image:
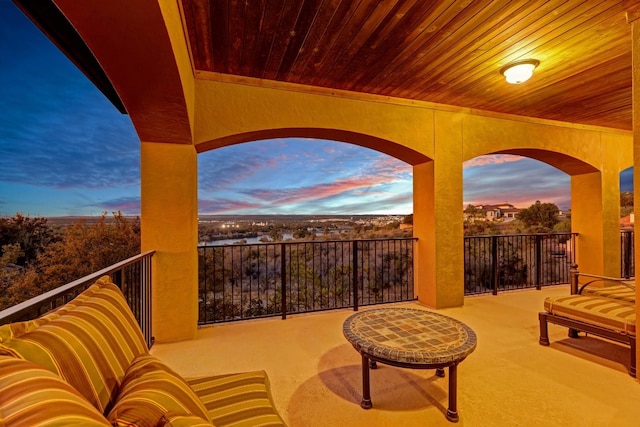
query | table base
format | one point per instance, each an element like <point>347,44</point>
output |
<point>452,410</point>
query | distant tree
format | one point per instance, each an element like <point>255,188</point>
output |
<point>300,233</point>
<point>626,203</point>
<point>563,226</point>
<point>541,216</point>
<point>393,225</point>
<point>408,219</point>
<point>471,210</point>
<point>83,249</point>
<point>11,253</point>
<point>276,235</point>
<point>31,234</point>
<point>480,228</point>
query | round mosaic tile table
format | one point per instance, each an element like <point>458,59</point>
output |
<point>410,338</point>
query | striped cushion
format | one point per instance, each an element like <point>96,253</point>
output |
<point>31,395</point>
<point>238,399</point>
<point>173,420</point>
<point>89,342</point>
<point>152,394</point>
<point>620,292</point>
<point>619,316</point>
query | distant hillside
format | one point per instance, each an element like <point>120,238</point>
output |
<point>70,220</point>
<point>288,217</point>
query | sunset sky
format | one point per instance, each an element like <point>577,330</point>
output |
<point>65,150</point>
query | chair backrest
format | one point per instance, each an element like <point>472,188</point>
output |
<point>89,342</point>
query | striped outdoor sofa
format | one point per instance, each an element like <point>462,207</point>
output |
<point>87,364</point>
<point>607,311</point>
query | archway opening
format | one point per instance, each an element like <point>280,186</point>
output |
<point>290,176</point>
<point>500,185</point>
<point>292,225</point>
<point>627,224</point>
<point>517,224</point>
<point>626,195</point>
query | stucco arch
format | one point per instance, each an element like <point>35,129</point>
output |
<point>595,207</point>
<point>567,164</point>
<point>391,148</point>
<point>564,147</point>
<point>436,140</point>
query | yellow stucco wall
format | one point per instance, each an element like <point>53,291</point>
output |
<point>436,140</point>
<point>169,225</point>
<point>437,191</point>
<point>172,17</point>
<point>592,157</point>
<point>635,37</point>
<point>228,113</point>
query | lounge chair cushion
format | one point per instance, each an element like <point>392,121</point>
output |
<point>242,399</point>
<point>619,292</point>
<point>89,343</point>
<point>34,396</point>
<point>152,394</point>
<point>617,315</point>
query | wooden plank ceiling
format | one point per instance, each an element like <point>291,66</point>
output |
<point>449,52</point>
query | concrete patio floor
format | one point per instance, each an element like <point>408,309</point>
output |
<point>510,380</point>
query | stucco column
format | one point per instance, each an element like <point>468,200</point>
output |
<point>595,216</point>
<point>437,217</point>
<point>169,225</point>
<point>633,18</point>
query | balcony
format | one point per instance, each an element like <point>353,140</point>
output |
<point>316,375</point>
<point>509,380</point>
<point>175,126</point>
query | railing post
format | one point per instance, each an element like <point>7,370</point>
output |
<point>628,241</point>
<point>146,281</point>
<point>538,261</point>
<point>283,281</point>
<point>632,267</point>
<point>355,275</point>
<point>116,278</point>
<point>494,264</point>
<point>573,278</point>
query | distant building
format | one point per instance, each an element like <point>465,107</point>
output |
<point>504,212</point>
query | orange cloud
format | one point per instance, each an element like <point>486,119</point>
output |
<point>296,195</point>
<point>492,159</point>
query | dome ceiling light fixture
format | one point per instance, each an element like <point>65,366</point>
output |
<point>519,71</point>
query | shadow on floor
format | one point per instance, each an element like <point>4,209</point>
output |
<point>392,388</point>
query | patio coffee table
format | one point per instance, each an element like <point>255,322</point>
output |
<point>410,338</point>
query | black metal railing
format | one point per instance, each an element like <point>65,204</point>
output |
<point>133,277</point>
<point>627,263</point>
<point>275,279</point>
<point>506,262</point>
